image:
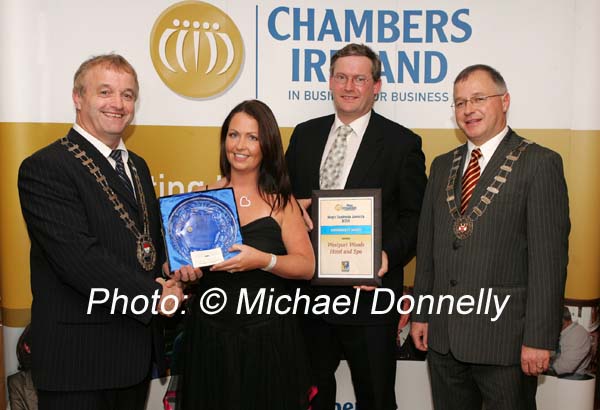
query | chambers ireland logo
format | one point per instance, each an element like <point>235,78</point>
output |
<point>196,49</point>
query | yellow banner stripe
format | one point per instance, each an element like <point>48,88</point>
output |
<point>181,157</point>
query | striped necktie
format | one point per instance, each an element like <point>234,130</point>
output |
<point>470,179</point>
<point>120,168</point>
<point>334,163</point>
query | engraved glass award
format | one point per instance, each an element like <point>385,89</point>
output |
<point>200,227</point>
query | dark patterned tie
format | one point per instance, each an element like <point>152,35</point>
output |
<point>470,179</point>
<point>120,168</point>
<point>332,167</point>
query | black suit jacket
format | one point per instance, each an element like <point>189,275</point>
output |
<point>519,247</point>
<point>78,242</point>
<point>390,158</point>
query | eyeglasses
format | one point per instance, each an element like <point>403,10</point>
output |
<point>357,80</point>
<point>476,101</point>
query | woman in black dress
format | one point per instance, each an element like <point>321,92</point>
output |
<point>251,360</point>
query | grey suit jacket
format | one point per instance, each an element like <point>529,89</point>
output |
<point>519,247</point>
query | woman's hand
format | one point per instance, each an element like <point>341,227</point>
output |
<point>249,258</point>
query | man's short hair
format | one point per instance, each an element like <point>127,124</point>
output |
<point>567,314</point>
<point>360,50</point>
<point>492,72</point>
<point>111,61</point>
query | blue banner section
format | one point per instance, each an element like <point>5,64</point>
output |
<point>347,230</point>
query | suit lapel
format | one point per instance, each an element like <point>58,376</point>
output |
<point>368,152</point>
<point>464,150</point>
<point>107,170</point>
<point>143,185</point>
<point>508,143</point>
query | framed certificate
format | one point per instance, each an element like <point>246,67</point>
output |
<point>347,236</point>
<point>199,227</point>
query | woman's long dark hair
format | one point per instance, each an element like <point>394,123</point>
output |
<point>273,177</point>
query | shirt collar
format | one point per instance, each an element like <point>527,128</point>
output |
<point>359,125</point>
<point>104,149</point>
<point>489,147</point>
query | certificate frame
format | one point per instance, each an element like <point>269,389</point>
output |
<point>346,236</point>
<point>183,217</point>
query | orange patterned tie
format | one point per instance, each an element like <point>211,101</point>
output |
<point>470,179</point>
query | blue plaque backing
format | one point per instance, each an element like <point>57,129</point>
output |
<point>199,221</point>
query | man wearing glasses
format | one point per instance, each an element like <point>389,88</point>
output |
<point>358,148</point>
<point>495,216</point>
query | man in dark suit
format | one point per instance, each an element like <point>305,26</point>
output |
<point>376,153</point>
<point>495,216</point>
<point>93,222</point>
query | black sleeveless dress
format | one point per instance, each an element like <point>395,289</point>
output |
<point>244,361</point>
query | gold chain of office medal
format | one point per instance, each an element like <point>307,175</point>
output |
<point>463,224</point>
<point>145,250</point>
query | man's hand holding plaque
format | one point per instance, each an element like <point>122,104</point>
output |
<point>382,271</point>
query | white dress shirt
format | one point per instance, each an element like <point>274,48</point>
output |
<point>106,150</point>
<point>487,150</point>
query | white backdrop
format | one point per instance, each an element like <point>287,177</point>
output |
<point>546,50</point>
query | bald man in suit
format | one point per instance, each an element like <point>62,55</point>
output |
<point>495,216</point>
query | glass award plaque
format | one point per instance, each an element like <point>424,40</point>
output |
<point>200,227</point>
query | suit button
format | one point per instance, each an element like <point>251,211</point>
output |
<point>453,282</point>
